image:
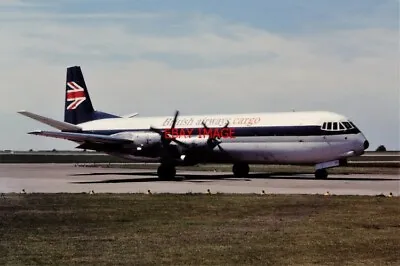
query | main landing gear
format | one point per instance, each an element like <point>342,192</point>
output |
<point>166,172</point>
<point>321,174</point>
<point>240,169</point>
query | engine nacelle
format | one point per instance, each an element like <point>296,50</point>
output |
<point>140,138</point>
<point>151,139</point>
<point>194,142</point>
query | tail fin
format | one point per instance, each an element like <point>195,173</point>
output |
<point>78,106</point>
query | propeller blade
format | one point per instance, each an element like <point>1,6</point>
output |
<point>225,152</point>
<point>175,119</point>
<point>212,142</point>
<point>226,126</point>
<point>220,148</point>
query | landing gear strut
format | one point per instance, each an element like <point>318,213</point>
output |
<point>321,174</point>
<point>166,172</point>
<point>240,169</point>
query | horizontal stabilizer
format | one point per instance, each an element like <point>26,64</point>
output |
<point>81,137</point>
<point>51,122</point>
<point>130,115</point>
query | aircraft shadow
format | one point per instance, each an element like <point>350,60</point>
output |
<point>193,177</point>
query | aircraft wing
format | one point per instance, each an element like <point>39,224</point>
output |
<point>82,137</point>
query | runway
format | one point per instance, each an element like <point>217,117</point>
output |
<point>58,178</point>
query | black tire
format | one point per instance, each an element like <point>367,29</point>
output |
<point>166,172</point>
<point>321,174</point>
<point>240,169</point>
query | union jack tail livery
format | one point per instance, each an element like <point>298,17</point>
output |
<point>78,106</point>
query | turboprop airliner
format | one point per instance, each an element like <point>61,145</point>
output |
<point>320,138</point>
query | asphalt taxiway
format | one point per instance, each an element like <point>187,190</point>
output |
<point>59,178</point>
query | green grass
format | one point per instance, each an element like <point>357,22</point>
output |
<point>138,229</point>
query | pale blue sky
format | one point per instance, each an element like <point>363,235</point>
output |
<point>280,16</point>
<point>225,56</point>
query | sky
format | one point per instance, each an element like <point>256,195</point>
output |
<point>201,57</point>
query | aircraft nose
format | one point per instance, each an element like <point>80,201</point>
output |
<point>366,144</point>
<point>361,144</point>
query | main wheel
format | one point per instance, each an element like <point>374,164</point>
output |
<point>240,169</point>
<point>166,172</point>
<point>321,174</point>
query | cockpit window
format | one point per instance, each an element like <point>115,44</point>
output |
<point>337,126</point>
<point>347,125</point>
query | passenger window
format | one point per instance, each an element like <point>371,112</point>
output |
<point>329,127</point>
<point>341,127</point>
<point>324,125</point>
<point>335,126</point>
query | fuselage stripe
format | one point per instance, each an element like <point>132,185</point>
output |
<point>249,131</point>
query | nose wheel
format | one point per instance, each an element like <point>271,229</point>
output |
<point>240,169</point>
<point>321,174</point>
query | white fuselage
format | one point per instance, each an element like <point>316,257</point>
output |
<point>270,138</point>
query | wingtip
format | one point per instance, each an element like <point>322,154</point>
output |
<point>35,132</point>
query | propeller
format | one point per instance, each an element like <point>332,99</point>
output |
<point>167,140</point>
<point>214,142</point>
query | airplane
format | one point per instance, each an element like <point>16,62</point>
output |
<point>321,138</point>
